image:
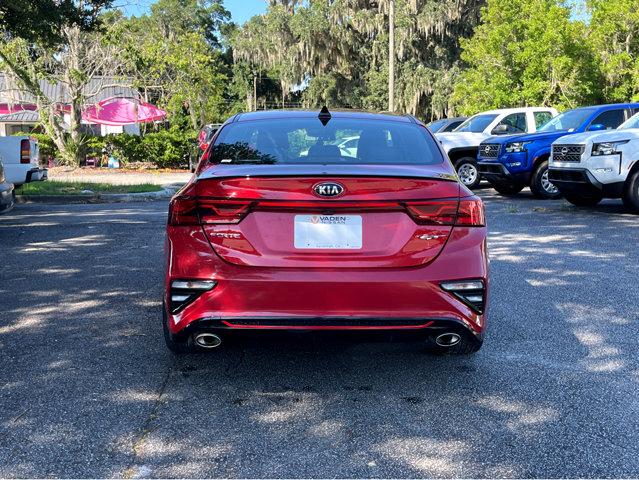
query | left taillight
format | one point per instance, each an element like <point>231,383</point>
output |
<point>188,210</point>
<point>25,151</point>
<point>467,212</point>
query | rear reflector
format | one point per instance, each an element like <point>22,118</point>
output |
<point>25,151</point>
<point>184,292</point>
<point>471,292</point>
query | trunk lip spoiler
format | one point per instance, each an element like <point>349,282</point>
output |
<point>443,176</point>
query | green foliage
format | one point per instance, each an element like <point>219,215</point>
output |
<point>165,148</point>
<point>526,52</point>
<point>42,20</point>
<point>614,33</point>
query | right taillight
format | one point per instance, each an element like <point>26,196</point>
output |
<point>471,212</point>
<point>467,212</point>
<point>188,210</point>
<point>25,151</point>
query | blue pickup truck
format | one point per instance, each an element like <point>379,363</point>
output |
<point>512,162</point>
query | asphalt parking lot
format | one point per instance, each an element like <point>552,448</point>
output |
<point>87,388</point>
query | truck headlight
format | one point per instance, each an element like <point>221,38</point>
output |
<point>607,148</point>
<point>516,147</point>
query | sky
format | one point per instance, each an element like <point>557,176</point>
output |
<point>241,10</point>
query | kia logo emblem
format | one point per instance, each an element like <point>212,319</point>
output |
<point>328,189</point>
<point>564,150</point>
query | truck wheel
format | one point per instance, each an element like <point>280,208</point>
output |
<point>508,189</point>
<point>468,172</point>
<point>581,201</point>
<point>176,346</point>
<point>540,185</point>
<point>631,192</point>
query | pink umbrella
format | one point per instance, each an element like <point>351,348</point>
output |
<point>122,111</point>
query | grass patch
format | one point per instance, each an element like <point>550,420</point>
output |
<point>52,187</point>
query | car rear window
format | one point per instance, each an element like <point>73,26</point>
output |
<point>344,141</point>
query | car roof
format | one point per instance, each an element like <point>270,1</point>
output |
<point>308,113</point>
<point>608,106</point>
<point>516,110</point>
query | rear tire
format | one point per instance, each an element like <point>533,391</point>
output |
<point>581,201</point>
<point>468,172</point>
<point>507,189</point>
<point>631,193</point>
<point>466,346</point>
<point>540,186</point>
<point>176,346</point>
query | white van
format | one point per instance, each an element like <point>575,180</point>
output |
<point>20,156</point>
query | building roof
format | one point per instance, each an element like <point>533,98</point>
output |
<point>99,88</point>
<point>26,116</point>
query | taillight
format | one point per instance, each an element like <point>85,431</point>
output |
<point>471,212</point>
<point>187,210</point>
<point>468,212</point>
<point>25,151</point>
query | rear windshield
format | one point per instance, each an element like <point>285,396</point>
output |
<point>343,141</point>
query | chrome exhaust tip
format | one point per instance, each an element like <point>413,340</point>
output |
<point>447,339</point>
<point>207,340</point>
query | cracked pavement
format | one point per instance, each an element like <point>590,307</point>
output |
<point>87,388</point>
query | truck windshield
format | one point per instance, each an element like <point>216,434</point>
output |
<point>632,122</point>
<point>344,141</point>
<point>476,123</point>
<point>569,121</point>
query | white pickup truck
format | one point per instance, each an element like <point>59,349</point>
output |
<point>462,143</point>
<point>20,156</point>
<point>588,167</point>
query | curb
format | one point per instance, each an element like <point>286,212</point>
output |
<point>165,194</point>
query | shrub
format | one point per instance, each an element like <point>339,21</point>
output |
<point>165,148</point>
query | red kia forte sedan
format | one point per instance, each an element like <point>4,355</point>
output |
<point>334,221</point>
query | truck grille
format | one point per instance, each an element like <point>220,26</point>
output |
<point>489,150</point>
<point>567,153</point>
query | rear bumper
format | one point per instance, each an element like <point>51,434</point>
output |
<point>37,175</point>
<point>345,299</point>
<point>368,328</point>
<point>498,173</point>
<point>6,196</point>
<point>580,181</point>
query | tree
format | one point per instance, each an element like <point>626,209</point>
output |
<point>42,21</point>
<point>614,32</point>
<point>69,54</point>
<point>526,52</point>
<point>338,50</point>
<point>174,56</point>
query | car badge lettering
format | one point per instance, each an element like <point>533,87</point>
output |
<point>328,189</point>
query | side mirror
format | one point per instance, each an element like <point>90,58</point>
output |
<point>500,129</point>
<point>596,127</point>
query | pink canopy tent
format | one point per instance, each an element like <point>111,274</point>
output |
<point>122,111</point>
